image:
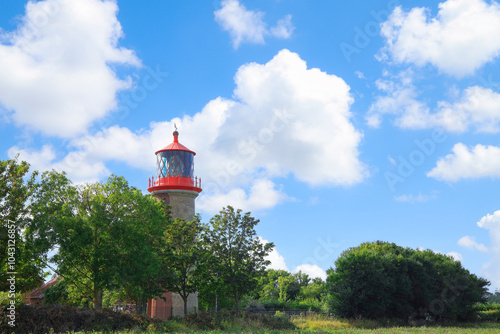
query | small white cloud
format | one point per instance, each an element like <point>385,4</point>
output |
<point>475,108</point>
<point>360,75</point>
<point>56,73</point>
<point>419,198</point>
<point>312,270</point>
<point>459,40</point>
<point>277,260</point>
<point>468,163</point>
<point>456,256</point>
<point>247,25</point>
<point>470,242</point>
<point>284,28</point>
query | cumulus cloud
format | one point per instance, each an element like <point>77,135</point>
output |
<point>490,222</point>
<point>79,169</point>
<point>55,74</point>
<point>459,40</point>
<point>456,256</point>
<point>401,100</point>
<point>263,194</point>
<point>470,242</point>
<point>277,260</point>
<point>284,119</point>
<point>475,108</point>
<point>278,263</point>
<point>248,26</point>
<point>468,163</point>
<point>312,270</point>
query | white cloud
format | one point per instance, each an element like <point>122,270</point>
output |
<point>283,119</point>
<point>312,270</point>
<point>59,57</point>
<point>490,222</point>
<point>248,26</point>
<point>277,260</point>
<point>468,163</point>
<point>401,100</point>
<point>456,256</point>
<point>74,164</point>
<point>470,242</point>
<point>419,198</point>
<point>278,263</point>
<point>262,195</point>
<point>475,108</point>
<point>459,40</point>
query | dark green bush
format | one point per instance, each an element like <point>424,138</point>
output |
<point>383,280</point>
<point>61,319</point>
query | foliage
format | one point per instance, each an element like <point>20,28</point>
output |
<point>383,280</point>
<point>61,319</point>
<point>236,257</point>
<point>233,322</point>
<point>181,252</point>
<point>494,297</point>
<point>105,234</point>
<point>16,188</point>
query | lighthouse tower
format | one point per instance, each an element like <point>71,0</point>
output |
<point>175,184</point>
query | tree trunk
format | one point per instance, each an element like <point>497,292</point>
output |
<point>97,298</point>
<point>185,300</point>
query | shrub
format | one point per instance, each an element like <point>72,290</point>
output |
<point>382,280</point>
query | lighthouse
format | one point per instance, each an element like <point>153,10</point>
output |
<point>176,185</point>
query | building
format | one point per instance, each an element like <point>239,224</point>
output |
<point>36,296</point>
<point>175,184</point>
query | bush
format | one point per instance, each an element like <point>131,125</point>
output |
<point>62,319</point>
<point>382,280</point>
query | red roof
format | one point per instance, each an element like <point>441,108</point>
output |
<point>39,292</point>
<point>175,146</point>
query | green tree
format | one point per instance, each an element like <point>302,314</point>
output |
<point>494,298</point>
<point>284,283</point>
<point>105,235</point>
<point>313,291</point>
<point>237,255</point>
<point>16,188</point>
<point>381,279</point>
<point>181,253</point>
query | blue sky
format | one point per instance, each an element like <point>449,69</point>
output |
<point>335,124</point>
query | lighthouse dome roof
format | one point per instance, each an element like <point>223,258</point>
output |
<point>175,146</point>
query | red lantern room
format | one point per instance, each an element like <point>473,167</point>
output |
<point>175,169</point>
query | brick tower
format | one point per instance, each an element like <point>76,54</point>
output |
<point>175,184</point>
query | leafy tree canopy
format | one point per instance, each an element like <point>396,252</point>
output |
<point>380,279</point>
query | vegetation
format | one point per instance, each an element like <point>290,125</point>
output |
<point>16,188</point>
<point>182,251</point>
<point>235,256</point>
<point>383,280</point>
<point>110,243</point>
<point>105,234</point>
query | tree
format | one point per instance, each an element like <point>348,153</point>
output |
<point>313,291</point>
<point>105,235</point>
<point>181,253</point>
<point>381,279</point>
<point>238,257</point>
<point>16,188</point>
<point>494,298</point>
